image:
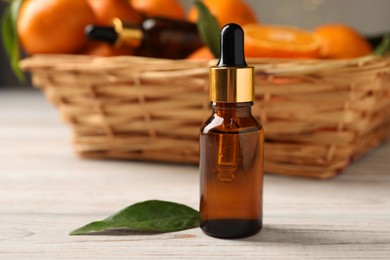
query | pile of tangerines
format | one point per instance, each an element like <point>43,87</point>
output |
<point>57,26</point>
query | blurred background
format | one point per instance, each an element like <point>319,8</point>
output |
<point>369,17</point>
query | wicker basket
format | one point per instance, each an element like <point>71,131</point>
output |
<point>318,115</point>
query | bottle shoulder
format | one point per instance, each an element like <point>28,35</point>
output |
<point>233,125</point>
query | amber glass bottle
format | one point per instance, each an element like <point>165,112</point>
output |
<point>231,147</point>
<point>154,37</point>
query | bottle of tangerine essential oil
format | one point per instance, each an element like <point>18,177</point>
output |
<point>231,147</point>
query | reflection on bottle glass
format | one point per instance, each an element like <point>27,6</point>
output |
<point>227,157</point>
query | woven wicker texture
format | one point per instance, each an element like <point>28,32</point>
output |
<point>318,115</point>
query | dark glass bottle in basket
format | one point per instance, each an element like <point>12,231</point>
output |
<point>155,37</point>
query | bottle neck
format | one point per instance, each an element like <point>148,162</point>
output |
<point>239,109</point>
<point>128,34</point>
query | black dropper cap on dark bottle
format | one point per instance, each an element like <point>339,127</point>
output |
<point>232,80</point>
<point>101,33</point>
<point>232,46</point>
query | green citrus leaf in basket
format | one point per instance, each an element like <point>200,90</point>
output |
<point>384,47</point>
<point>9,36</point>
<point>208,28</point>
<point>148,216</point>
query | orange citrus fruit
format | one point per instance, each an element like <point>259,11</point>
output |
<point>159,8</point>
<point>280,42</point>
<point>203,53</point>
<point>102,49</point>
<point>227,11</point>
<point>106,10</point>
<point>341,42</point>
<point>53,26</point>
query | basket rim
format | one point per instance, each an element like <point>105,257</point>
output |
<point>165,67</point>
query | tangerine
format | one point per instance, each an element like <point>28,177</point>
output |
<point>203,53</point>
<point>280,42</point>
<point>340,41</point>
<point>106,10</point>
<point>50,26</point>
<point>102,49</point>
<point>227,11</point>
<point>159,8</point>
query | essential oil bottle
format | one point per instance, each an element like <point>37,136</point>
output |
<point>231,147</point>
<point>155,37</point>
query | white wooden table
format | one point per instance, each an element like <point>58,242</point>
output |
<point>46,191</point>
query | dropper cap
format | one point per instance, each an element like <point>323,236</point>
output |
<point>101,33</point>
<point>232,80</point>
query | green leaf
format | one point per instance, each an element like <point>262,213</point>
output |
<point>9,36</point>
<point>150,216</point>
<point>384,47</point>
<point>208,28</point>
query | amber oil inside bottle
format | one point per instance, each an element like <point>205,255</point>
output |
<point>231,168</point>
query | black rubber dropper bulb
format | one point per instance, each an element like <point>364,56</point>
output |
<point>232,46</point>
<point>101,33</point>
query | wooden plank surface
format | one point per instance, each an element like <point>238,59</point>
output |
<point>46,191</point>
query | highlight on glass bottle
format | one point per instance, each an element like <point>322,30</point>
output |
<point>231,147</point>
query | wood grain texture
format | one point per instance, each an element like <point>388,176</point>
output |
<point>45,192</point>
